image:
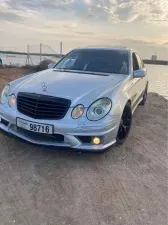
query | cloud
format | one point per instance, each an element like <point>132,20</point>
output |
<point>136,22</point>
<point>130,10</point>
<point>139,42</point>
<point>85,33</point>
<point>10,16</point>
<point>103,10</point>
<point>70,25</point>
<point>35,4</point>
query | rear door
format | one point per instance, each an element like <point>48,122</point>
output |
<point>143,80</point>
<point>135,83</point>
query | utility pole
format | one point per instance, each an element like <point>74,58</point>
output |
<point>28,59</point>
<point>28,54</point>
<point>61,49</point>
<point>40,52</point>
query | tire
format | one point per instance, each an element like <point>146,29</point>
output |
<point>143,102</point>
<point>125,125</point>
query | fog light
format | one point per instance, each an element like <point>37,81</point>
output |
<point>12,100</point>
<point>96,140</point>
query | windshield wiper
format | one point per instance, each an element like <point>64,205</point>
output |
<point>62,70</point>
<point>82,72</point>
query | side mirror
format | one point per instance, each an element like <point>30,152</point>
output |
<point>51,66</point>
<point>139,73</point>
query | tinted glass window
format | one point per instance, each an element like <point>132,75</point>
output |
<point>135,62</point>
<point>96,60</point>
<point>140,63</point>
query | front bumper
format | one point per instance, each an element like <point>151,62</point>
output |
<point>70,129</point>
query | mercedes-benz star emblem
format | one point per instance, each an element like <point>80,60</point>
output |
<point>44,86</point>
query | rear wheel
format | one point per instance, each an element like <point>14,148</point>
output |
<point>125,125</point>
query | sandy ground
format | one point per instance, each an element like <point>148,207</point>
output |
<point>124,186</point>
<point>9,74</point>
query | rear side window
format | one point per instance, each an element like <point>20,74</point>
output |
<point>135,62</point>
<point>140,62</point>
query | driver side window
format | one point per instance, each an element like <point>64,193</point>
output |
<point>135,62</point>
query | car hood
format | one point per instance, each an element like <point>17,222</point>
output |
<point>79,88</point>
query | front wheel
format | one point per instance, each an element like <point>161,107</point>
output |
<point>125,125</point>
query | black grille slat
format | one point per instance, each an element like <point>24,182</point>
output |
<point>50,113</point>
<point>50,110</point>
<point>49,104</point>
<point>44,109</point>
<point>42,106</point>
<point>26,112</point>
<point>26,107</point>
<point>28,100</point>
<point>47,116</point>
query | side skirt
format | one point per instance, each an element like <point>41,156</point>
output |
<point>134,108</point>
<point>140,98</point>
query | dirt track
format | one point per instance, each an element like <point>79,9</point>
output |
<point>125,186</point>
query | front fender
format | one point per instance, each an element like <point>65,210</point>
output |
<point>120,97</point>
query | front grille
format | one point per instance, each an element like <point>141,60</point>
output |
<point>39,106</point>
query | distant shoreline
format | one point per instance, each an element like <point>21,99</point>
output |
<point>156,62</point>
<point>24,53</point>
<point>146,61</point>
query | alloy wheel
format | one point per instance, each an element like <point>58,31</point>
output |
<point>125,125</point>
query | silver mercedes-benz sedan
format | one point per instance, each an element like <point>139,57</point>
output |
<point>84,102</point>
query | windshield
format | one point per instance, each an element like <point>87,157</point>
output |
<point>96,61</point>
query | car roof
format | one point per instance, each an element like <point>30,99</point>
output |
<point>118,48</point>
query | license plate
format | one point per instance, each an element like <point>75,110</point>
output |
<point>34,127</point>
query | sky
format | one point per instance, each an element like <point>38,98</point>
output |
<point>139,24</point>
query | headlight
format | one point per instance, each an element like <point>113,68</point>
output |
<point>12,100</point>
<point>78,111</point>
<point>99,109</point>
<point>5,94</point>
